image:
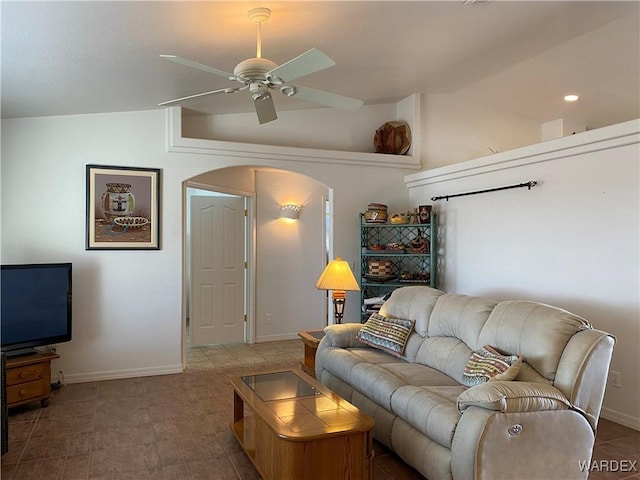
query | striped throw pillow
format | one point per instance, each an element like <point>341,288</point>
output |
<point>488,364</point>
<point>385,333</point>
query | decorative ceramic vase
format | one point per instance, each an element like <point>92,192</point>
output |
<point>117,201</point>
<point>419,244</point>
<point>393,137</point>
<point>423,212</point>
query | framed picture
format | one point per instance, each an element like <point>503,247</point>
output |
<point>123,208</point>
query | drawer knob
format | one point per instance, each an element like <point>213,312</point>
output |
<point>23,392</point>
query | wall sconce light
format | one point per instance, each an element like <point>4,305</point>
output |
<point>290,211</point>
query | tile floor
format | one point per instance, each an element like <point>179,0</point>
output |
<point>243,355</point>
<point>177,426</point>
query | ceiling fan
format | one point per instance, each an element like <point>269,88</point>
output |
<point>260,75</point>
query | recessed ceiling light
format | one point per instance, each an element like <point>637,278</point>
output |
<point>571,98</point>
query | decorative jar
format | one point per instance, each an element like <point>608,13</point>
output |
<point>376,213</point>
<point>117,201</point>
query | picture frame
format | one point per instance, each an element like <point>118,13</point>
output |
<point>122,208</point>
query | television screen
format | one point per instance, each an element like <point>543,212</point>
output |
<point>35,305</point>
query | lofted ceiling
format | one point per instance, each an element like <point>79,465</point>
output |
<point>61,58</point>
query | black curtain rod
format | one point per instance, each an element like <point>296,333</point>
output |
<point>529,184</point>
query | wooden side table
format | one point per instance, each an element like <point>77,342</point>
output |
<point>311,340</point>
<point>29,379</point>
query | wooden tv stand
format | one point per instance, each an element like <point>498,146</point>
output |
<point>29,379</point>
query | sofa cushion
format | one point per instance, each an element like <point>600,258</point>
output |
<point>431,410</point>
<point>446,354</point>
<point>380,382</point>
<point>375,382</point>
<point>539,332</point>
<point>487,364</point>
<point>413,303</point>
<point>411,349</point>
<point>388,334</point>
<point>419,375</point>
<point>460,316</point>
<point>340,361</point>
<point>529,374</point>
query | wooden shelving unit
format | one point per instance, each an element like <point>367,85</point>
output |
<point>408,266</point>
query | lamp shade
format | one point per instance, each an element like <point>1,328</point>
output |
<point>337,276</point>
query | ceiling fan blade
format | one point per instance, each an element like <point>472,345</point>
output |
<point>326,98</point>
<point>212,92</point>
<point>199,66</point>
<point>265,109</point>
<point>309,62</point>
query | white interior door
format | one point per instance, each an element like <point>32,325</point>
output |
<point>216,303</point>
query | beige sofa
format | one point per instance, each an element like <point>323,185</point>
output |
<point>540,426</point>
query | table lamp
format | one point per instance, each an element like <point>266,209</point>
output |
<point>337,276</point>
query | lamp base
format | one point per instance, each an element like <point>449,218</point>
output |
<point>339,299</point>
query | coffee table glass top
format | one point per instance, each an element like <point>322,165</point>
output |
<point>279,386</point>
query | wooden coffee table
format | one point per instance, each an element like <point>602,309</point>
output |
<point>292,427</point>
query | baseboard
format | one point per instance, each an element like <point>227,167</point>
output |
<point>119,374</point>
<point>621,418</point>
<point>275,338</point>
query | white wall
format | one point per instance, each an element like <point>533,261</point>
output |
<point>572,241</point>
<point>290,255</point>
<point>451,128</point>
<point>330,129</point>
<point>456,128</point>
<point>236,180</point>
<point>128,304</point>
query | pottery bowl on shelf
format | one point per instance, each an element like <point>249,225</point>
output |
<point>419,245</point>
<point>399,218</point>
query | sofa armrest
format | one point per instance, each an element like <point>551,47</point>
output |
<point>510,397</point>
<point>344,335</point>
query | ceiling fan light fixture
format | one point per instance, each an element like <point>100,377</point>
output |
<point>288,90</point>
<point>273,79</point>
<point>261,96</point>
<point>571,98</point>
<point>259,92</point>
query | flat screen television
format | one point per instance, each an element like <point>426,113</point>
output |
<point>35,306</point>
